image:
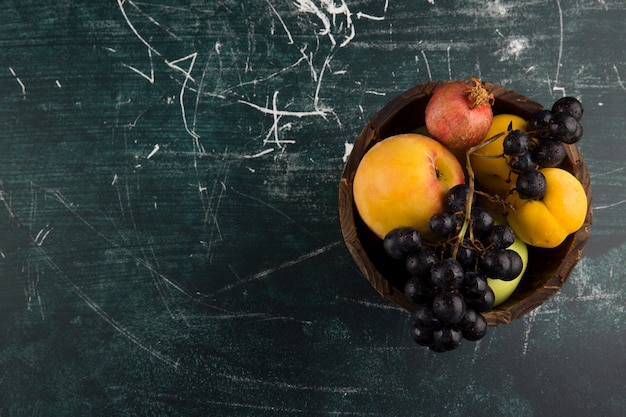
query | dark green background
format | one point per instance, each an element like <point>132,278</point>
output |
<point>168,208</point>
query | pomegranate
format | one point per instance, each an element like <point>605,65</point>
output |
<point>459,114</point>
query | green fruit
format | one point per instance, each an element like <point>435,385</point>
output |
<point>503,289</point>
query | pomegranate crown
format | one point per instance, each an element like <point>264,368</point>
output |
<point>479,95</point>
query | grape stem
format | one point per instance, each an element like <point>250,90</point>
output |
<point>472,190</point>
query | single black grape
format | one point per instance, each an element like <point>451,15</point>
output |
<point>474,285</point>
<point>569,105</point>
<point>446,338</point>
<point>522,162</point>
<point>516,143</point>
<point>495,263</point>
<point>423,337</point>
<point>418,291</point>
<point>516,265</point>
<point>447,274</point>
<point>531,185</point>
<point>578,134</point>
<point>444,223</point>
<point>418,263</point>
<point>538,123</point>
<point>457,196</point>
<point>482,303</point>
<point>424,317</point>
<point>481,221</point>
<point>549,153</point>
<point>473,326</point>
<point>448,307</point>
<point>501,236</point>
<point>564,127</point>
<point>402,241</point>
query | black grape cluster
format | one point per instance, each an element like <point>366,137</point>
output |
<point>448,275</point>
<point>543,145</point>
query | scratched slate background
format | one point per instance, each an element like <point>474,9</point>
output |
<point>169,238</point>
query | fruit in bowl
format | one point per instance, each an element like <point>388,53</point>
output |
<point>401,181</point>
<point>480,260</point>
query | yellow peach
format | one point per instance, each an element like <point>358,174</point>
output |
<point>402,180</point>
<point>547,222</point>
<point>491,171</point>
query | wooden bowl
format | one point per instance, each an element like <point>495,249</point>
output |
<point>548,269</point>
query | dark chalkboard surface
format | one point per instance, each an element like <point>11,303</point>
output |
<point>169,234</point>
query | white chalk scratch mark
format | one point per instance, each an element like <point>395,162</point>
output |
<point>361,15</point>
<point>561,89</point>
<point>326,64</point>
<point>334,10</point>
<point>106,317</point>
<point>611,172</point>
<point>529,319</point>
<point>307,6</point>
<point>57,195</point>
<point>259,154</point>
<point>172,64</point>
<point>154,151</point>
<point>266,78</point>
<point>282,22</point>
<point>619,80</point>
<point>42,235</point>
<point>298,114</point>
<point>23,87</point>
<point>430,76</point>
<point>31,291</point>
<point>619,203</point>
<point>132,27</point>
<point>560,53</point>
<point>347,150</point>
<point>449,62</point>
<point>369,304</point>
<point>211,203</point>
<point>150,77</point>
<point>285,265</point>
<point>276,118</point>
<point>296,261</point>
<point>181,97</point>
<point>376,93</point>
<point>153,21</point>
<point>295,387</point>
<point>309,60</point>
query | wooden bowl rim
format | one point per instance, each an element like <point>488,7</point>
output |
<point>508,311</point>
